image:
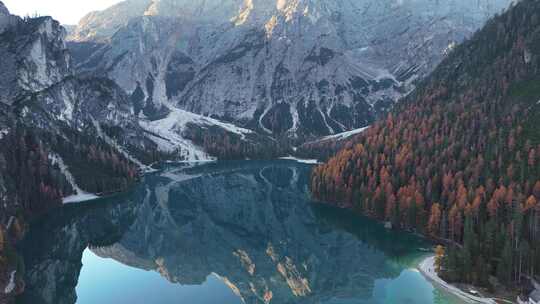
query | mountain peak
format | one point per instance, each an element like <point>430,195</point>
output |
<point>6,19</point>
<point>3,9</point>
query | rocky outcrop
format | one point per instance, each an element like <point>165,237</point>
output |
<point>97,26</point>
<point>298,68</point>
<point>6,19</point>
<point>42,89</point>
<point>34,57</point>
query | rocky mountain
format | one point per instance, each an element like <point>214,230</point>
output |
<point>34,56</point>
<point>299,68</point>
<point>6,19</point>
<point>42,90</point>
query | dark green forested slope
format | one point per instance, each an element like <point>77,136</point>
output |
<point>459,159</point>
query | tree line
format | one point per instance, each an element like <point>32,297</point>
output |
<point>96,166</point>
<point>226,145</point>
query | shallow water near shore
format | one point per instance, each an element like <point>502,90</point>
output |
<point>225,232</point>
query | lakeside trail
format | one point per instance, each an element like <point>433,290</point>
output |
<point>427,268</point>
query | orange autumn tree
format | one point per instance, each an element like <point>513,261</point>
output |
<point>439,255</point>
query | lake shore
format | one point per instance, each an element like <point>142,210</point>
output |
<point>427,268</point>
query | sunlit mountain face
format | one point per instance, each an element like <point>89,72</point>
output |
<point>250,227</point>
<point>301,68</point>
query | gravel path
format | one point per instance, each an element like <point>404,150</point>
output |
<point>427,268</point>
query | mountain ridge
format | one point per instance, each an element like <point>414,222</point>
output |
<point>298,69</point>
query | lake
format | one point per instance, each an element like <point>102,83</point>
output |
<point>224,232</point>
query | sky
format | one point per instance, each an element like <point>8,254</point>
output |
<point>65,11</point>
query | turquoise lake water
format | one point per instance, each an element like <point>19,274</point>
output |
<point>226,232</point>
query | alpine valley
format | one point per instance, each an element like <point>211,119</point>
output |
<point>378,88</point>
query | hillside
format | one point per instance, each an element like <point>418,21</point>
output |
<point>459,159</point>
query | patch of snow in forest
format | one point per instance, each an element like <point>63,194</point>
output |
<point>113,143</point>
<point>10,222</point>
<point>261,120</point>
<point>4,133</point>
<point>80,195</point>
<point>345,135</point>
<point>325,121</point>
<point>11,285</point>
<point>300,160</point>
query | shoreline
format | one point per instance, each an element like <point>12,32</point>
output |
<point>427,269</point>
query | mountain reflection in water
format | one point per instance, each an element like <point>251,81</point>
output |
<point>250,226</point>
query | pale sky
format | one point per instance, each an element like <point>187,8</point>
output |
<point>65,11</point>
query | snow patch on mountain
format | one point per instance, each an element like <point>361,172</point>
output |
<point>301,160</point>
<point>11,284</point>
<point>144,168</point>
<point>344,135</point>
<point>79,198</point>
<point>80,195</point>
<point>167,134</point>
<point>6,19</point>
<point>3,133</point>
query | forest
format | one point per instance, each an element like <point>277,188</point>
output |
<point>32,182</point>
<point>97,167</point>
<point>459,159</point>
<point>230,146</point>
<point>29,178</point>
<point>323,149</point>
<point>29,186</point>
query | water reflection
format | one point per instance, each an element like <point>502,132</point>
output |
<point>251,225</point>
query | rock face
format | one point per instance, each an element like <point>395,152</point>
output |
<point>34,57</point>
<point>294,67</point>
<point>6,19</point>
<point>97,26</point>
<point>41,88</point>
